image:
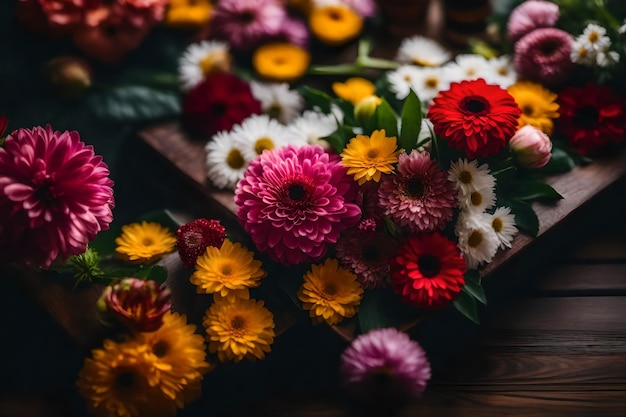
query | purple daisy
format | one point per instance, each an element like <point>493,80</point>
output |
<point>368,255</point>
<point>295,201</point>
<point>385,364</point>
<point>543,55</point>
<point>419,197</point>
<point>246,23</point>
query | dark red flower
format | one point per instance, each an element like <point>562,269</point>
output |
<point>475,117</point>
<point>54,17</point>
<point>217,103</point>
<point>591,118</point>
<point>428,271</point>
<point>193,238</point>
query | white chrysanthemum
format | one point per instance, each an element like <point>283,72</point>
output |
<point>225,161</point>
<point>312,126</point>
<point>402,80</point>
<point>278,101</point>
<point>258,133</point>
<point>607,58</point>
<point>421,51</point>
<point>503,223</point>
<point>428,83</point>
<point>196,62</point>
<point>468,176</point>
<point>477,201</point>
<point>595,36</point>
<point>501,71</point>
<point>581,52</point>
<point>467,67</point>
<point>478,241</point>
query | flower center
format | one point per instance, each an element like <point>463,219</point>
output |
<point>262,144</point>
<point>475,239</point>
<point>227,270</point>
<point>207,63</point>
<point>296,192</point>
<point>503,71</point>
<point>475,104</point>
<point>428,265</point>
<point>330,289</point>
<point>370,253</point>
<point>45,188</point>
<point>147,241</point>
<point>476,198</point>
<point>234,159</point>
<point>237,323</point>
<point>334,14</point>
<point>160,349</point>
<point>415,188</point>
<point>593,37</point>
<point>527,110</point>
<point>275,110</point>
<point>549,48</point>
<point>372,153</point>
<point>465,177</point>
<point>587,117</point>
<point>497,224</point>
<point>247,17</point>
<point>218,109</point>
<point>125,379</point>
<point>431,82</point>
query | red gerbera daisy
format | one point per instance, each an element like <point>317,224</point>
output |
<point>218,103</point>
<point>193,238</point>
<point>475,117</point>
<point>428,271</point>
<point>591,118</point>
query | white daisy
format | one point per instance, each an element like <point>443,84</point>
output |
<point>467,67</point>
<point>478,241</point>
<point>225,161</point>
<point>201,59</point>
<point>428,83</point>
<point>312,126</point>
<point>501,71</point>
<point>607,58</point>
<point>468,176</point>
<point>402,80</point>
<point>503,223</point>
<point>581,52</point>
<point>421,51</point>
<point>278,101</point>
<point>477,201</point>
<point>258,133</point>
<point>595,36</point>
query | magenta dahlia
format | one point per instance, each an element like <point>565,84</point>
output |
<point>368,255</point>
<point>475,117</point>
<point>385,364</point>
<point>419,196</point>
<point>295,201</point>
<point>530,15</point>
<point>55,196</point>
<point>543,55</point>
<point>246,23</point>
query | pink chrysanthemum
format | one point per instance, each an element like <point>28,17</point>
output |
<point>293,31</point>
<point>543,55</point>
<point>55,196</point>
<point>385,364</point>
<point>530,15</point>
<point>419,197</point>
<point>368,255</point>
<point>294,201</point>
<point>246,23</point>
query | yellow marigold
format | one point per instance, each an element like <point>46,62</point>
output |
<point>114,383</point>
<point>228,271</point>
<point>367,157</point>
<point>330,292</point>
<point>144,242</point>
<point>239,329</point>
<point>188,14</point>
<point>354,89</point>
<point>282,62</point>
<point>335,25</point>
<point>177,358</point>
<point>538,104</point>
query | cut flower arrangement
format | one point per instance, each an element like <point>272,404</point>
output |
<point>369,202</point>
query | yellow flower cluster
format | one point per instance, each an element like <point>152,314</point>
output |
<point>149,374</point>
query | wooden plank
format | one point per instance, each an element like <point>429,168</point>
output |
<point>595,279</point>
<point>554,342</point>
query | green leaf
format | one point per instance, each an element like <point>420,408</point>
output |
<point>466,305</point>
<point>316,98</point>
<point>559,162</point>
<point>530,190</point>
<point>525,217</point>
<point>385,118</point>
<point>411,122</point>
<point>473,286</point>
<point>157,273</point>
<point>134,104</point>
<point>340,137</point>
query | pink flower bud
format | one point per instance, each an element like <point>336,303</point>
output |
<point>531,147</point>
<point>530,15</point>
<point>137,304</point>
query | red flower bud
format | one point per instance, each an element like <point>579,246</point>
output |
<point>194,237</point>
